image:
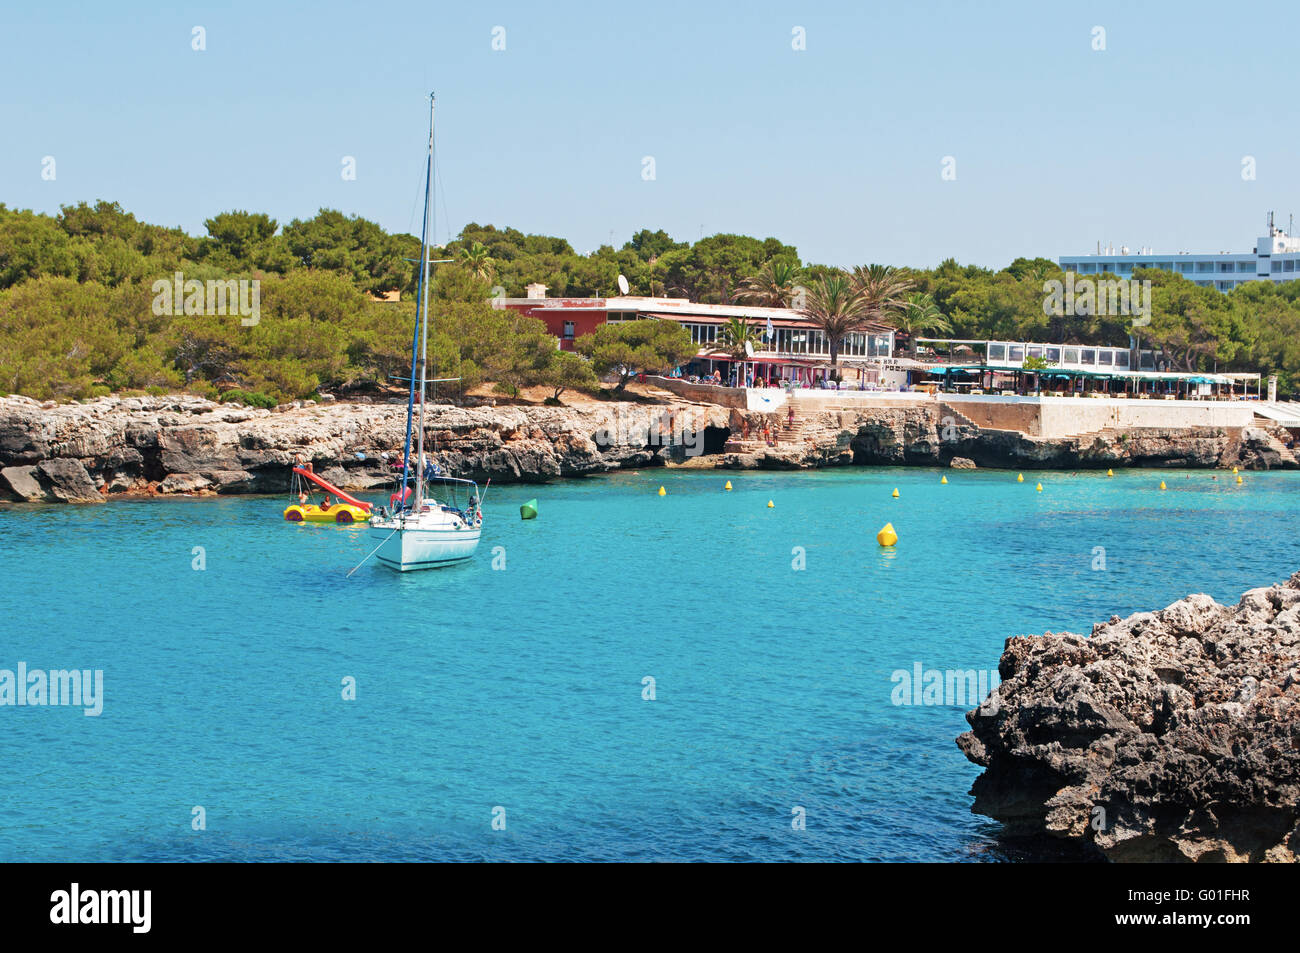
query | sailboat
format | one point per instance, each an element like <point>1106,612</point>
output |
<point>420,531</point>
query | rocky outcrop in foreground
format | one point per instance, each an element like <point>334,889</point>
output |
<point>1166,736</point>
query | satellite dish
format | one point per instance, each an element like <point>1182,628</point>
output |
<point>622,285</point>
<point>749,349</point>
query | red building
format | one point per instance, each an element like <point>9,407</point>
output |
<point>790,347</point>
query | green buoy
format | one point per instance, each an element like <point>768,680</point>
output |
<point>528,511</point>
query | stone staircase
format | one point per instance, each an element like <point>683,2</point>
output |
<point>948,410</point>
<point>785,432</point>
<point>1091,436</point>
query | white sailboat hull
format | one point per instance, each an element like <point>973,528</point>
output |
<point>426,541</point>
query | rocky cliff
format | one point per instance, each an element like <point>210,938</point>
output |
<point>1166,736</point>
<point>183,444</point>
<point>934,434</point>
<point>87,452</point>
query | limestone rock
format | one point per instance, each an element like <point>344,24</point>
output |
<point>1166,736</point>
<point>184,483</point>
<point>21,483</point>
<point>184,444</point>
<point>67,481</point>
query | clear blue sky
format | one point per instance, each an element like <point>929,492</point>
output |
<point>836,149</point>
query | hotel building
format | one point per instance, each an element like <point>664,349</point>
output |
<point>1275,257</point>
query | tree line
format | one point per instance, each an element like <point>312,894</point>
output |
<point>76,318</point>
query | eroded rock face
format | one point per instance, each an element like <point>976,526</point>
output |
<point>183,444</point>
<point>930,434</point>
<point>1166,736</point>
<point>58,480</point>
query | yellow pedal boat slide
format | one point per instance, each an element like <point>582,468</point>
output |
<point>347,509</point>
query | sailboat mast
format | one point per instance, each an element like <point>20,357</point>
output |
<point>424,313</point>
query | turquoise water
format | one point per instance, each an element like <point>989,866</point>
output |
<point>521,687</point>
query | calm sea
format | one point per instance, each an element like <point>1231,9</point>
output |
<point>693,676</point>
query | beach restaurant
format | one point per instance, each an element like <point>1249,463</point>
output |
<point>786,345</point>
<point>1067,370</point>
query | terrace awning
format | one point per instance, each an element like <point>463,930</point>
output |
<point>1117,373</point>
<point>766,359</point>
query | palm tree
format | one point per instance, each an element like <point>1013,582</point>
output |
<point>734,335</point>
<point>477,259</point>
<point>919,313</point>
<point>883,289</point>
<point>773,286</point>
<point>837,308</point>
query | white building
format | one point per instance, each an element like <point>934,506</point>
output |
<point>1276,257</point>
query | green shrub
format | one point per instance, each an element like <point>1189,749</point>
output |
<point>249,398</point>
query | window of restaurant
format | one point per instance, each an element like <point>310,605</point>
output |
<point>704,333</point>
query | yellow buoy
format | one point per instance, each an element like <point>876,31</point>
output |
<point>944,480</point>
<point>728,486</point>
<point>1110,473</point>
<point>887,535</point>
<point>770,504</point>
<point>663,492</point>
<point>1020,478</point>
<point>895,493</point>
<point>1039,488</point>
<point>1162,485</point>
<point>1239,478</point>
<point>1234,469</point>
